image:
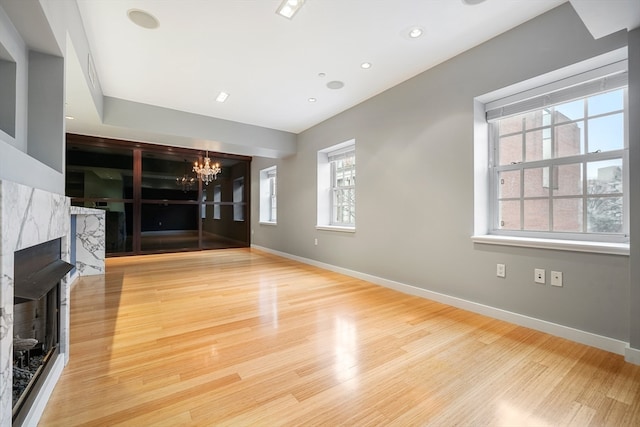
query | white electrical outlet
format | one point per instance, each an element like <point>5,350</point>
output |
<point>556,278</point>
<point>315,242</point>
<point>501,270</point>
<point>538,275</point>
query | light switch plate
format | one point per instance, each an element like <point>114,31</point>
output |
<point>556,278</point>
<point>501,270</point>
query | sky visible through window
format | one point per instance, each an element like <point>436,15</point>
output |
<point>605,133</point>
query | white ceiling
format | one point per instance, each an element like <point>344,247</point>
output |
<point>270,65</point>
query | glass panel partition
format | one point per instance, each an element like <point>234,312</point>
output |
<point>153,200</point>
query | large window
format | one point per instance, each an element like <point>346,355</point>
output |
<point>337,187</point>
<point>558,163</point>
<point>268,195</point>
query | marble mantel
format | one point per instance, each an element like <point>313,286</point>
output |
<point>28,217</point>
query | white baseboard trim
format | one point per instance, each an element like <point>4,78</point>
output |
<point>598,341</point>
<point>632,355</point>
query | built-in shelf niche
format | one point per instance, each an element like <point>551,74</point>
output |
<point>7,93</point>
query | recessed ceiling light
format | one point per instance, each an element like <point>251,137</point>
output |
<point>472,2</point>
<point>222,96</point>
<point>322,75</point>
<point>69,117</point>
<point>415,32</point>
<point>365,65</point>
<point>335,84</point>
<point>143,19</point>
<point>312,100</point>
<point>288,8</point>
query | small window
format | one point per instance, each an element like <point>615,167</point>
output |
<point>337,186</point>
<point>268,195</point>
<point>343,188</point>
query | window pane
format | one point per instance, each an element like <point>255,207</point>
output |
<point>510,149</point>
<point>344,206</point>
<point>510,125</point>
<point>568,180</point>
<point>604,214</point>
<point>569,111</point>
<point>604,177</point>
<point>536,182</point>
<point>569,139</point>
<point>343,181</point>
<point>509,184</point>
<point>509,215</point>
<point>567,215</point>
<point>536,215</point>
<point>273,202</point>
<point>606,102</point>
<point>533,119</point>
<point>606,133</point>
<point>533,146</point>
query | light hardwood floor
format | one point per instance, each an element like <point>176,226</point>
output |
<point>240,337</point>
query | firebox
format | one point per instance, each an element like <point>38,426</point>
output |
<point>38,271</point>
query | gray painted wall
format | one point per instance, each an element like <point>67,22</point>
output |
<point>220,135</point>
<point>414,197</point>
<point>46,109</point>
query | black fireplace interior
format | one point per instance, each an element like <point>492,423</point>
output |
<point>36,315</point>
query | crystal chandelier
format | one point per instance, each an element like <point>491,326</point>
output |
<point>186,181</point>
<point>207,172</point>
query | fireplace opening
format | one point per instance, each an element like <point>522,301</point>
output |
<point>36,313</point>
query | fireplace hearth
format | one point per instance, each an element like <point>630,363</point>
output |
<point>38,271</point>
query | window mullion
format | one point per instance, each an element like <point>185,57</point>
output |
<point>585,197</point>
<point>521,197</point>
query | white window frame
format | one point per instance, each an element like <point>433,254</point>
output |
<point>269,196</point>
<point>326,189</point>
<point>484,194</point>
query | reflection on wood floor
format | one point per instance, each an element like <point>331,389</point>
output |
<point>240,337</point>
<point>184,240</point>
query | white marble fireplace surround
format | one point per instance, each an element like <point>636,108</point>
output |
<point>90,241</point>
<point>29,217</point>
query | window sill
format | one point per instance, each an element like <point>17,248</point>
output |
<point>336,228</point>
<point>268,223</point>
<point>556,244</point>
